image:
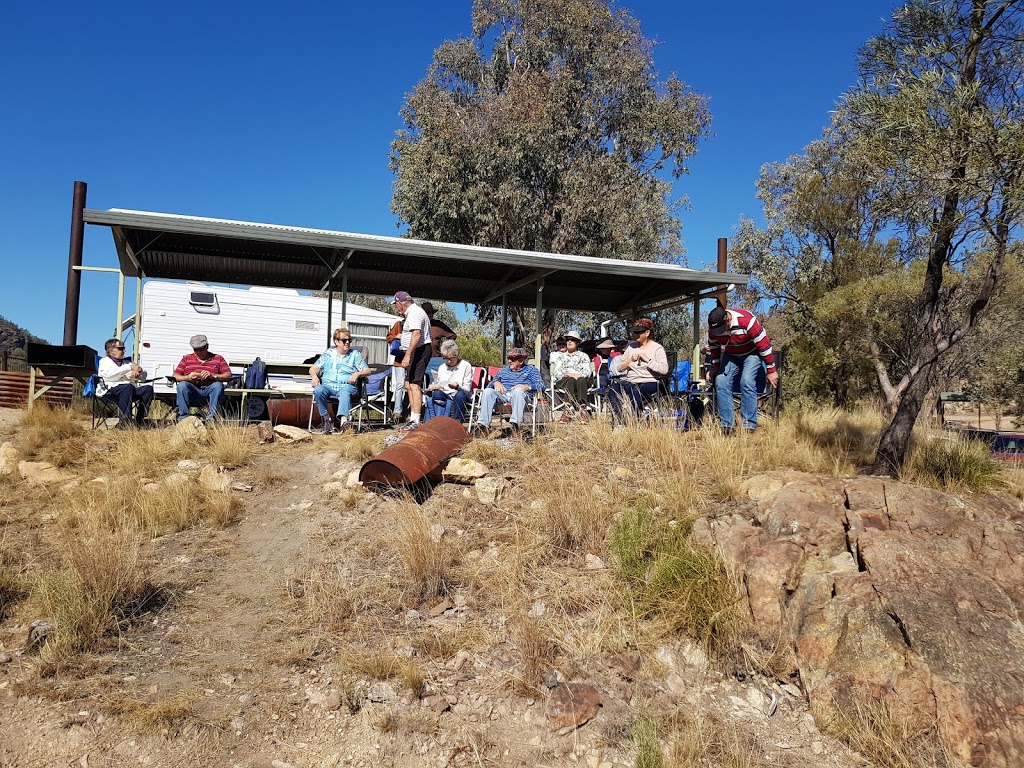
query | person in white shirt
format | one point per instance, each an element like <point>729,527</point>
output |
<point>121,383</point>
<point>416,346</point>
<point>572,373</point>
<point>453,381</point>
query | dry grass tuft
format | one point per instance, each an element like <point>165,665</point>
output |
<point>695,740</point>
<point>428,563</point>
<point>888,741</point>
<point>13,583</point>
<point>165,716</point>
<point>328,598</point>
<point>952,463</point>
<point>1013,480</point>
<point>122,500</point>
<point>230,446</point>
<point>103,583</point>
<point>383,665</point>
<point>51,434</point>
<point>537,653</point>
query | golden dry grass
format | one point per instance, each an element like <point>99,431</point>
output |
<point>888,741</point>
<point>52,434</point>
<point>102,582</point>
<point>427,562</point>
<point>382,664</point>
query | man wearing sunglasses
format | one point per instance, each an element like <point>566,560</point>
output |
<point>201,377</point>
<point>121,383</point>
<point>517,383</point>
<point>335,374</point>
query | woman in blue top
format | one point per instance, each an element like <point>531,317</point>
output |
<point>335,374</point>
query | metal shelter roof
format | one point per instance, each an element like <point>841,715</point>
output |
<point>225,251</point>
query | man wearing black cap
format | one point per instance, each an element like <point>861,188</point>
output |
<point>201,378</point>
<point>738,345</point>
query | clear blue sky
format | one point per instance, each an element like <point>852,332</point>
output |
<point>283,113</point>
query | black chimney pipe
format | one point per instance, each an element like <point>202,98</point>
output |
<point>723,266</point>
<point>74,292</point>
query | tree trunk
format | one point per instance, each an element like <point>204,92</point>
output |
<point>895,442</point>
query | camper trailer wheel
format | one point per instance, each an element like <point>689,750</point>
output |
<point>255,408</point>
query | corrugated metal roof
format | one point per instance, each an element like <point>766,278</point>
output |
<point>225,251</point>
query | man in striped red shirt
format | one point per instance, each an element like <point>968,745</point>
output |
<point>201,377</point>
<point>738,346</point>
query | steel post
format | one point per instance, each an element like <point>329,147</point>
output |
<point>74,287</point>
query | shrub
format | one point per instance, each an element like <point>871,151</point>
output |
<point>951,464</point>
<point>682,585</point>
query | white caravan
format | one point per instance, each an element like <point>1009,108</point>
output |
<point>277,325</point>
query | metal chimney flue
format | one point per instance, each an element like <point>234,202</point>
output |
<point>74,292</point>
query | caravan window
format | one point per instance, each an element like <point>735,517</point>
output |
<point>204,302</point>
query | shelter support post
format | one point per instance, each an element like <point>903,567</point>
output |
<point>138,317</point>
<point>504,328</point>
<point>344,293</point>
<point>330,309</point>
<point>695,353</point>
<point>120,305</point>
<point>723,266</point>
<point>537,321</point>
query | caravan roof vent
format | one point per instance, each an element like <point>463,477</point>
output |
<point>205,302</point>
<point>306,325</point>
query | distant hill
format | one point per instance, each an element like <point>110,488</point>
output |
<point>12,341</point>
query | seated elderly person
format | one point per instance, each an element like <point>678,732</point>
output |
<point>121,382</point>
<point>517,383</point>
<point>642,364</point>
<point>572,372</point>
<point>451,386</point>
<point>201,378</point>
<point>335,374</point>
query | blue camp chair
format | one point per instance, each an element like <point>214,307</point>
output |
<point>103,408</point>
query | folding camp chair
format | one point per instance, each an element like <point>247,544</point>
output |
<point>103,408</point>
<point>373,397</point>
<point>769,399</point>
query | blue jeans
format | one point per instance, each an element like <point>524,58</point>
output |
<point>491,396</point>
<point>344,393</point>
<point>745,369</point>
<point>459,397</point>
<point>191,395</point>
<point>398,387</point>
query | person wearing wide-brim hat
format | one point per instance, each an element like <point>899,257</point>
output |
<point>642,363</point>
<point>572,373</point>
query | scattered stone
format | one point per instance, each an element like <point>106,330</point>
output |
<point>381,692</point>
<point>291,434</point>
<point>101,480</point>
<point>176,479</point>
<point>243,487</point>
<point>9,459</point>
<point>572,705</point>
<point>332,702</point>
<point>593,562</point>
<point>436,532</point>
<point>537,610</point>
<point>214,478</point>
<point>620,473</point>
<point>38,631</point>
<point>42,473</point>
<point>466,471</point>
<point>5,658</point>
<point>676,684</point>
<point>300,506</point>
<point>188,465</point>
<point>280,763</point>
<point>440,608</point>
<point>490,489</point>
<point>353,481</point>
<point>247,699</point>
<point>151,487</point>
<point>334,488</point>
<point>626,664</point>
<point>265,432</point>
<point>189,431</point>
<point>436,703</point>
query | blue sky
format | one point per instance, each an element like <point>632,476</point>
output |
<point>284,113</point>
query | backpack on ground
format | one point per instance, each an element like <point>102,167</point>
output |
<point>256,375</point>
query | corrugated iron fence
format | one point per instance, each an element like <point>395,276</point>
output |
<point>14,389</point>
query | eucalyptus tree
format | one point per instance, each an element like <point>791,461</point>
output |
<point>940,109</point>
<point>547,130</point>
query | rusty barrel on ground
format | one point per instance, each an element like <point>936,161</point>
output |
<point>419,454</point>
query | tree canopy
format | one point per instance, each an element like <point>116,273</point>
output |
<point>548,130</point>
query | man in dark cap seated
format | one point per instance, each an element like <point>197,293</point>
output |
<point>201,378</point>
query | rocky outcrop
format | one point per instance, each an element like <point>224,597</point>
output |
<point>875,591</point>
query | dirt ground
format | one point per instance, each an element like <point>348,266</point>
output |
<point>236,669</point>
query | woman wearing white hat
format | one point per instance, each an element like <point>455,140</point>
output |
<point>572,373</point>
